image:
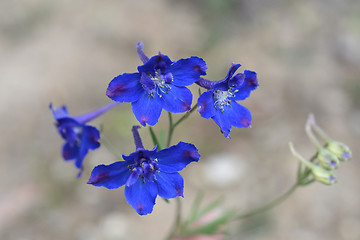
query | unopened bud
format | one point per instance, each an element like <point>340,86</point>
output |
<point>327,159</point>
<point>324,176</point>
<point>339,149</point>
<point>321,174</point>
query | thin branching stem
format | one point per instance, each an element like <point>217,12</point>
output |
<point>110,148</point>
<point>177,224</point>
<point>171,130</point>
<point>267,206</point>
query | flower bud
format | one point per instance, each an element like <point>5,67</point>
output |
<point>339,149</point>
<point>324,176</point>
<point>327,159</point>
<point>321,174</point>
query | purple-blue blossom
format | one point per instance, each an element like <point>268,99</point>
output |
<point>158,84</point>
<point>79,137</point>
<point>219,102</point>
<point>147,173</point>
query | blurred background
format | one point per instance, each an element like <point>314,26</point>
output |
<point>306,54</point>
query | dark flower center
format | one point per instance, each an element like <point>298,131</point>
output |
<point>146,168</point>
<point>72,135</point>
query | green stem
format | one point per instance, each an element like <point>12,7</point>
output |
<point>173,125</point>
<point>110,148</point>
<point>302,180</point>
<point>310,134</point>
<point>177,223</point>
<point>299,171</point>
<point>171,130</point>
<point>187,114</point>
<point>269,205</point>
<point>318,130</point>
<point>154,138</point>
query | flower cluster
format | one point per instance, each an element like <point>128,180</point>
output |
<point>159,84</point>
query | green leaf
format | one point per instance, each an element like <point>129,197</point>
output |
<point>195,208</point>
<point>213,226</point>
<point>210,207</point>
<point>198,213</point>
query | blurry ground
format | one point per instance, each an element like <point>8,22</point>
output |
<point>306,54</point>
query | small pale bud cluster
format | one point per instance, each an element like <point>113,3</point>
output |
<point>320,173</point>
<point>328,155</point>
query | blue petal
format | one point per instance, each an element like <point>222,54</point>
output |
<point>141,196</point>
<point>224,84</point>
<point>70,134</point>
<point>131,157</point>
<point>147,109</point>
<point>67,128</point>
<point>83,151</point>
<point>59,112</point>
<point>170,185</point>
<point>110,176</point>
<point>134,176</point>
<point>90,137</point>
<point>89,140</point>
<point>176,158</point>
<point>187,71</point>
<point>234,115</point>
<point>70,151</point>
<point>177,99</point>
<point>125,88</point>
<point>249,84</point>
<point>232,70</point>
<point>136,156</point>
<point>146,82</point>
<point>237,80</point>
<point>222,122</point>
<point>149,170</point>
<point>159,62</point>
<point>239,116</point>
<point>206,104</point>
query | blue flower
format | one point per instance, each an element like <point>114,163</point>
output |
<point>219,102</point>
<point>78,136</point>
<point>146,174</point>
<point>158,84</point>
